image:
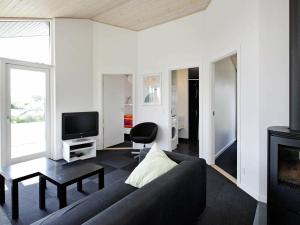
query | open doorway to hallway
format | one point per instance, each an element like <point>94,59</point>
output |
<point>117,111</point>
<point>225,116</point>
<point>185,111</point>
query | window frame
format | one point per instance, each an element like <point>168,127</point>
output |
<point>4,154</point>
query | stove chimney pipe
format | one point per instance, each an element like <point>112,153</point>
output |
<point>295,65</point>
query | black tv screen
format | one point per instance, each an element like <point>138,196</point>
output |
<point>79,125</point>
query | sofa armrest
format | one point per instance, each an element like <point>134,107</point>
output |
<point>89,206</point>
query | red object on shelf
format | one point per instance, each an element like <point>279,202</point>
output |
<point>128,120</point>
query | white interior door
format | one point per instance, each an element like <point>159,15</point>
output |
<point>113,106</point>
<point>225,87</point>
<point>27,112</point>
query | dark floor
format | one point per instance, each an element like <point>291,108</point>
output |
<point>226,203</point>
<point>125,144</point>
<point>228,160</point>
<point>188,147</point>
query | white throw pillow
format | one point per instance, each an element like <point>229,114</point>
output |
<point>155,164</point>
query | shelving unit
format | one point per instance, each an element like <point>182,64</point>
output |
<point>78,149</point>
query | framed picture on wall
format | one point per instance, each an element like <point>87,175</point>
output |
<point>152,89</point>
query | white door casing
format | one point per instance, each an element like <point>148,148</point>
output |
<point>210,156</point>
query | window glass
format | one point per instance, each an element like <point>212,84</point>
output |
<point>25,40</point>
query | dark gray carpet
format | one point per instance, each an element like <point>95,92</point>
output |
<point>188,147</point>
<point>226,204</point>
<point>228,160</point>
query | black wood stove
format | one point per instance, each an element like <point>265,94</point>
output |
<point>284,143</point>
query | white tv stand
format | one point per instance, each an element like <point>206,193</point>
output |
<point>77,149</point>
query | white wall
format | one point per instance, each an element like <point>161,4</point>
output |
<point>183,101</point>
<point>274,75</point>
<point>114,52</point>
<point>241,25</point>
<point>200,39</point>
<point>224,105</point>
<point>83,51</point>
<point>73,71</point>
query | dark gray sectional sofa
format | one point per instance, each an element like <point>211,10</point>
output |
<point>176,198</point>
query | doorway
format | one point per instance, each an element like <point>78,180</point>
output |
<point>28,112</point>
<point>225,116</point>
<point>185,111</point>
<point>117,111</point>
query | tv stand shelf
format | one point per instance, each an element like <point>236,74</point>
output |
<point>78,149</point>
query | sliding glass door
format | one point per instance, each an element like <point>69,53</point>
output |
<point>27,112</point>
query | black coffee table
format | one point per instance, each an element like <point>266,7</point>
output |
<point>66,175</point>
<point>59,172</point>
<point>20,172</point>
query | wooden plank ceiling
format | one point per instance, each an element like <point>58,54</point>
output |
<point>130,14</point>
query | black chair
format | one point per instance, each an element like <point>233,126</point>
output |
<point>143,133</point>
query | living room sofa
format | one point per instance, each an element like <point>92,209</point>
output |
<point>177,198</point>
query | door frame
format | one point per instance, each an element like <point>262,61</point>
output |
<point>101,110</point>
<point>201,102</point>
<point>212,62</point>
<point>5,109</point>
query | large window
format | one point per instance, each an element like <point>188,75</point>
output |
<point>26,101</point>
<point>25,40</point>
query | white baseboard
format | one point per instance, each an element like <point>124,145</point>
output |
<point>224,149</point>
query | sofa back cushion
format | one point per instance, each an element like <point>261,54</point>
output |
<point>176,157</point>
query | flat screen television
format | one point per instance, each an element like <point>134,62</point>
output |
<point>79,125</point>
